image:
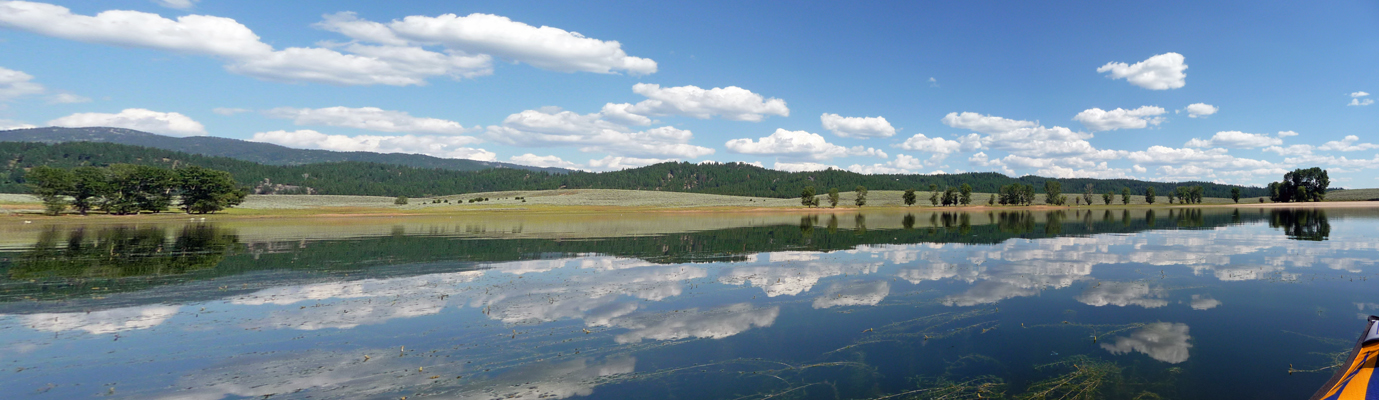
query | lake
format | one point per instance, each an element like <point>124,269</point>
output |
<point>1138,303</point>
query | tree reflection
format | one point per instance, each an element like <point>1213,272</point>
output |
<point>1301,224</point>
<point>123,252</point>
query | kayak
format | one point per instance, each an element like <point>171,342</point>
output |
<point>1356,380</point>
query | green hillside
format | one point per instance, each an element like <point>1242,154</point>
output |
<point>263,153</point>
<point>362,178</point>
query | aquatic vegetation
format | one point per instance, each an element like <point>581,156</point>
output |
<point>1085,378</point>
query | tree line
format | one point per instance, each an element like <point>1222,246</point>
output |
<point>1024,194</point>
<point>361,178</point>
<point>124,189</point>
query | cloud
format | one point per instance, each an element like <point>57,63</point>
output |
<point>933,82</point>
<point>732,103</point>
<point>1161,341</point>
<point>801,166</point>
<point>101,322</point>
<point>227,111</point>
<point>1196,110</point>
<point>854,294</point>
<point>594,133</point>
<point>1347,144</point>
<point>1284,134</point>
<point>1200,302</point>
<point>902,164</point>
<point>857,127</point>
<point>1123,294</point>
<point>68,98</point>
<point>546,47</point>
<point>432,145</point>
<point>1294,150</point>
<point>542,161</point>
<point>167,123</point>
<point>1358,99</point>
<point>714,324</point>
<point>1160,72</point>
<point>1236,140</point>
<point>6,124</point>
<point>799,145</point>
<point>1098,120</point>
<point>367,118</point>
<point>393,54</point>
<point>988,124</point>
<point>616,162</point>
<point>14,84</point>
<point>939,145</point>
<point>177,4</point>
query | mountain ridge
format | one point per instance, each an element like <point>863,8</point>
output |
<point>262,153</point>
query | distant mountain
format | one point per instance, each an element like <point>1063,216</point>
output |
<point>263,153</point>
<point>362,178</point>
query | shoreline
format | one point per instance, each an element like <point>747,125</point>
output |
<point>30,213</point>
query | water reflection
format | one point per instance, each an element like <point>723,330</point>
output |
<point>1301,224</point>
<point>1163,341</point>
<point>751,311</point>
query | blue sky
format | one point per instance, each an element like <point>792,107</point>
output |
<point>1228,92</point>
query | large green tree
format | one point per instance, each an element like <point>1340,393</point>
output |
<point>52,185</point>
<point>807,197</point>
<point>909,197</point>
<point>966,194</point>
<point>833,197</point>
<point>1053,193</point>
<point>861,193</point>
<point>207,191</point>
<point>1149,195</point>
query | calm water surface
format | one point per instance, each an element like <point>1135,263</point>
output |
<point>1168,303</point>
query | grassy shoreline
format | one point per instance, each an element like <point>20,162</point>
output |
<point>601,201</point>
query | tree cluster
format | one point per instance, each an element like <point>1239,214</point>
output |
<point>124,189</point>
<point>1017,194</point>
<point>1186,195</point>
<point>1300,185</point>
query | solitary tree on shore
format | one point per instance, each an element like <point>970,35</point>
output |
<point>1106,198</point>
<point>966,197</point>
<point>1053,193</point>
<point>933,194</point>
<point>861,199</point>
<point>1149,195</point>
<point>807,196</point>
<point>909,197</point>
<point>1235,194</point>
<point>833,197</point>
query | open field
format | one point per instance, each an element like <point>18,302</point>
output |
<point>1353,195</point>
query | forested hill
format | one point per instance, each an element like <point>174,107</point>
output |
<point>263,153</point>
<point>360,178</point>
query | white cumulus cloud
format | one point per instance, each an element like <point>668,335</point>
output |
<point>167,123</point>
<point>6,124</point>
<point>14,84</point>
<point>619,162</point>
<point>902,164</point>
<point>1097,119</point>
<point>543,47</point>
<point>433,145</point>
<point>1198,110</point>
<point>367,118</point>
<point>1236,140</point>
<point>801,166</point>
<point>857,127</point>
<point>1160,72</point>
<point>542,161</point>
<point>732,102</point>
<point>594,133</point>
<point>1349,143</point>
<point>988,124</point>
<point>392,54</point>
<point>1358,99</point>
<point>798,145</point>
